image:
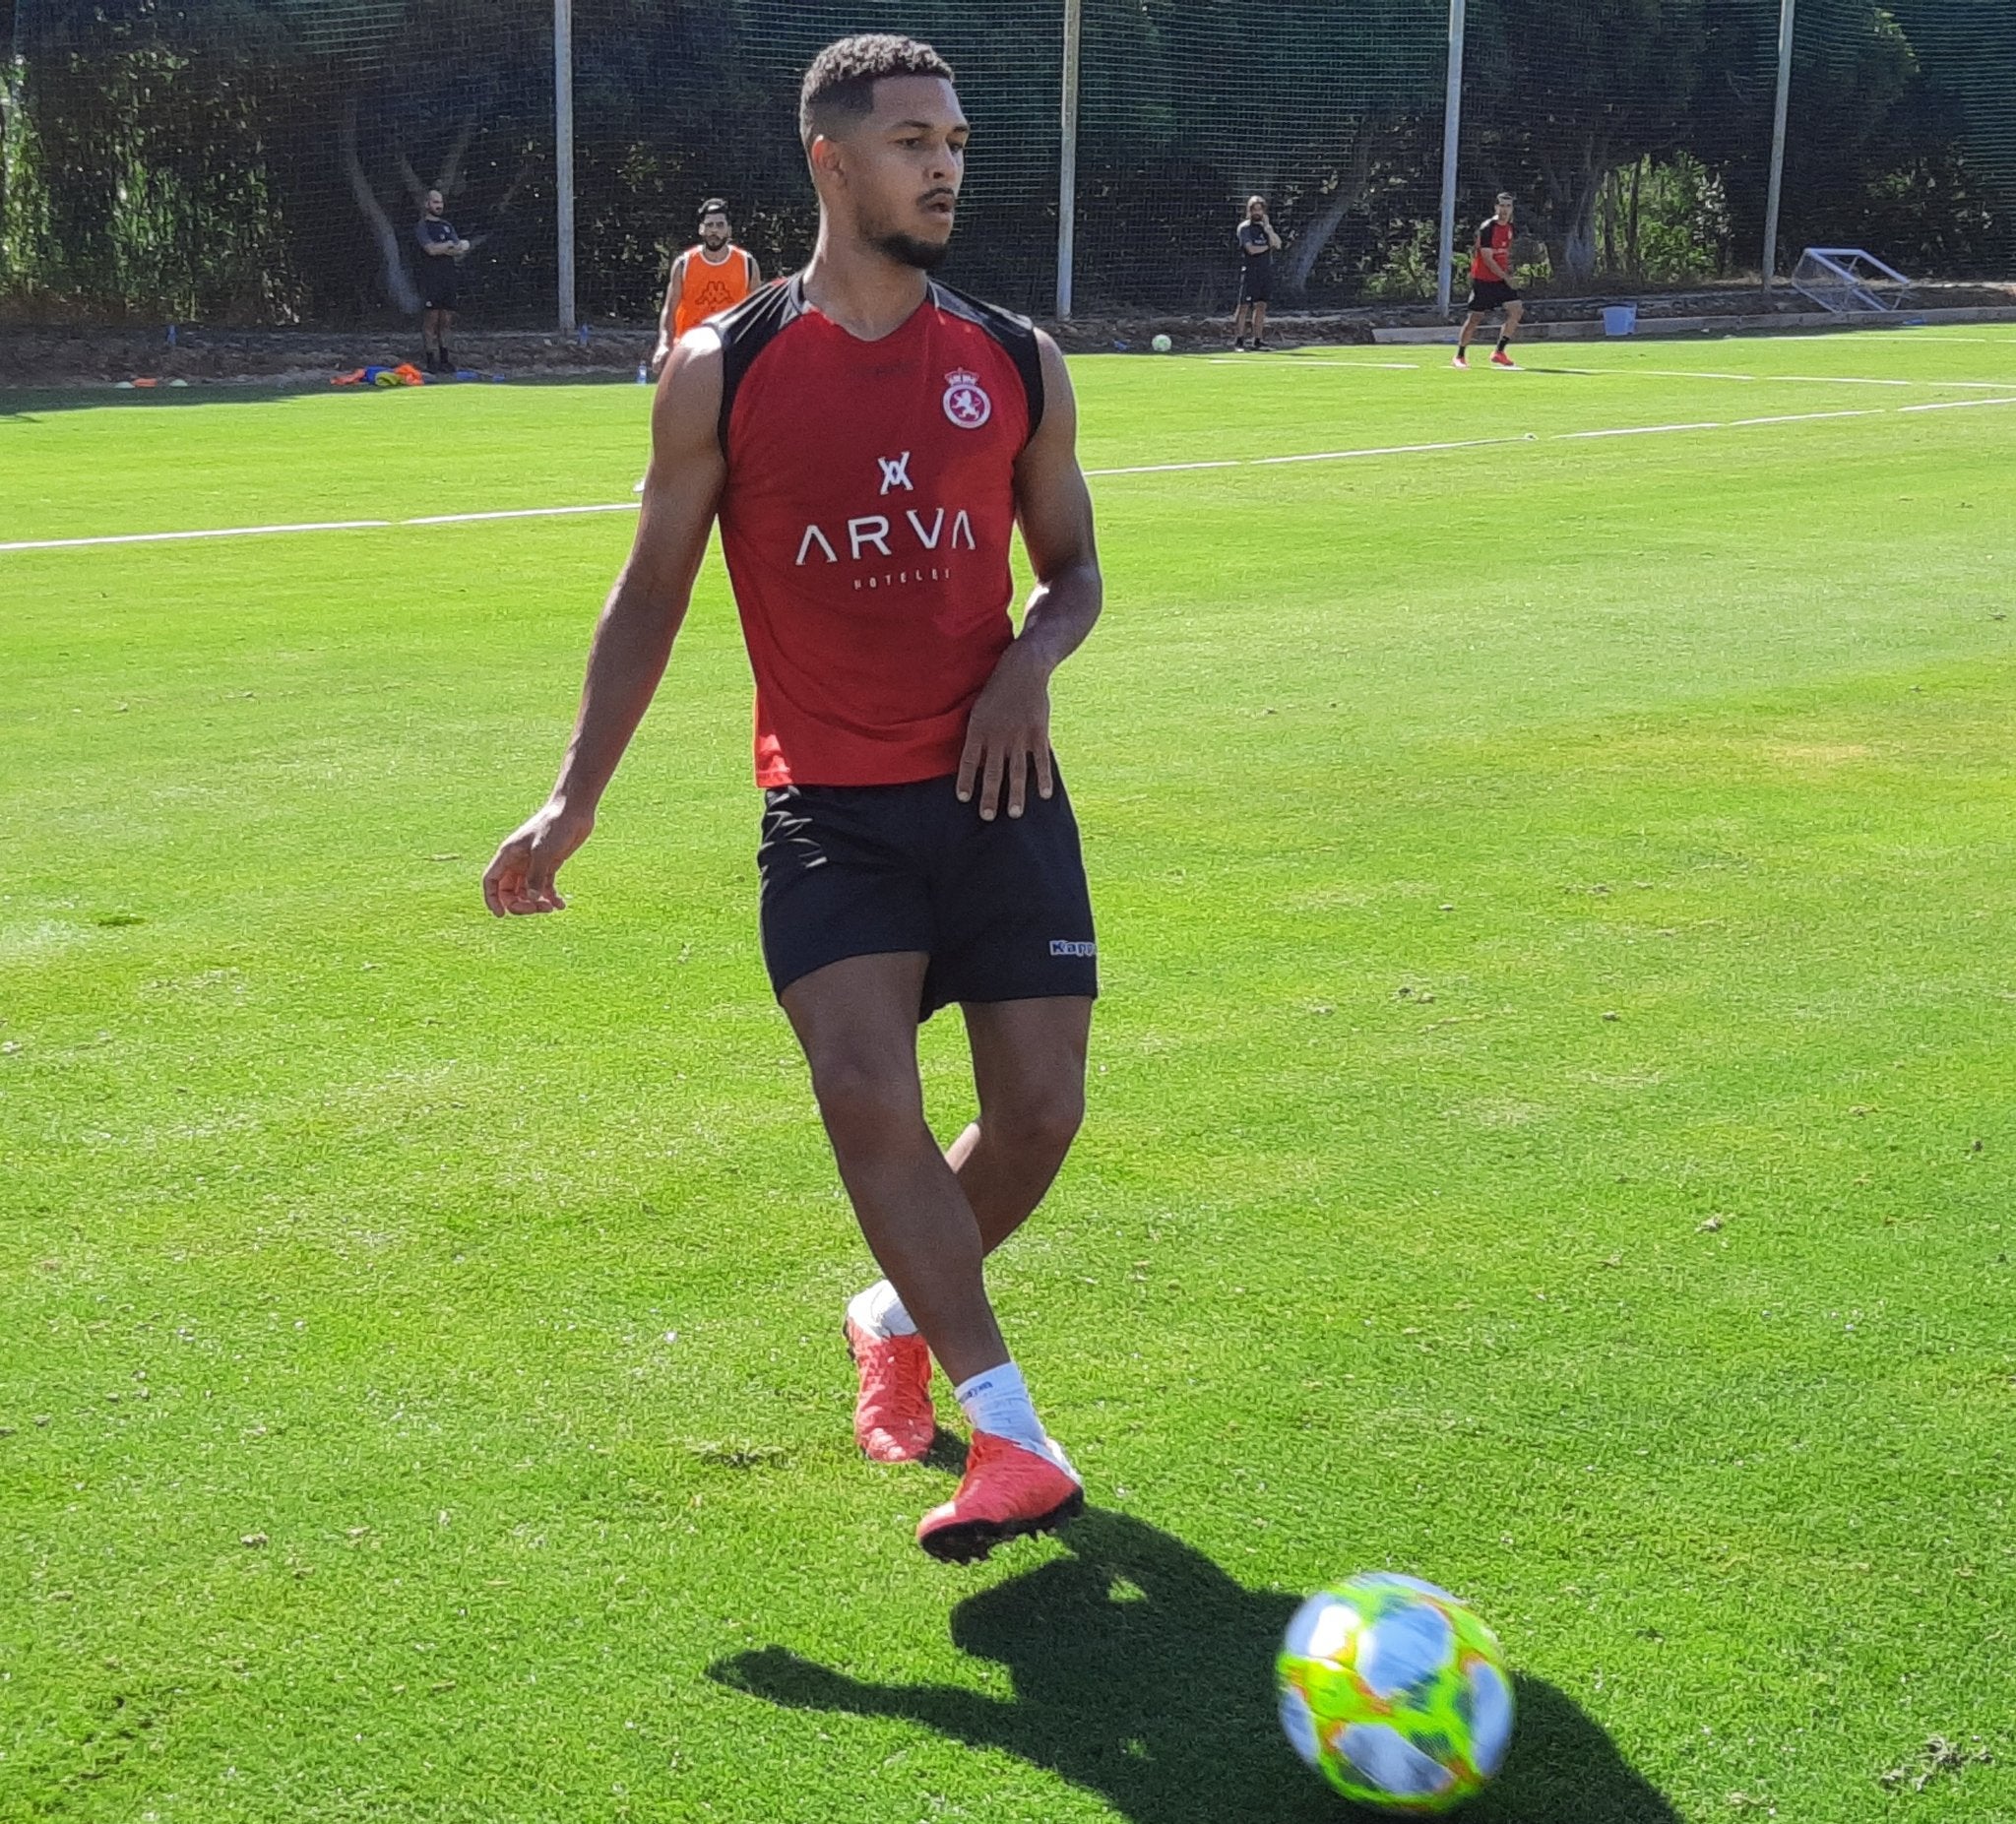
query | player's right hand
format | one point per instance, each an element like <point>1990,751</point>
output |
<point>521,877</point>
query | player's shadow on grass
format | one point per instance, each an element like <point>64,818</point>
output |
<point>1144,1674</point>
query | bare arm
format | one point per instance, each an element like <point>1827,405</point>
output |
<point>1009,731</point>
<point>1502,265</point>
<point>1273,239</point>
<point>634,637</point>
<point>675,286</point>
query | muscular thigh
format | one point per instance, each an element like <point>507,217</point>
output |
<point>1029,1054</point>
<point>857,1021</point>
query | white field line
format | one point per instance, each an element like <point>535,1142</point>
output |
<point>1395,449</point>
<point>1807,417</point>
<point>1681,373</point>
<point>1139,468</point>
<point>1167,468</point>
<point>218,531</point>
<point>1305,360</point>
<point>522,513</point>
<point>1674,373</point>
<point>1948,405</point>
<point>1638,430</point>
<point>260,532</point>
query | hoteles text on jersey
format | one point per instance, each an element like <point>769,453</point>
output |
<point>866,521</point>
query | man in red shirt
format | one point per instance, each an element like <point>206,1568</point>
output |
<point>869,440</point>
<point>1491,286</point>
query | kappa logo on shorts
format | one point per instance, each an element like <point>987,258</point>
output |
<point>1071,947</point>
<point>966,403</point>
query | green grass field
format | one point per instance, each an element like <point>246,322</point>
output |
<point>1552,1122</point>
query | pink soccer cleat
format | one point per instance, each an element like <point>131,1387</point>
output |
<point>893,1417</point>
<point>1499,358</point>
<point>1007,1491</point>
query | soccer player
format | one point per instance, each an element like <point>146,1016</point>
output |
<point>1258,244</point>
<point>869,440</point>
<point>1491,286</point>
<point>441,253</point>
<point>713,276</point>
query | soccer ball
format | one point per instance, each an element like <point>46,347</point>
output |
<point>1161,345</point>
<point>1396,1693</point>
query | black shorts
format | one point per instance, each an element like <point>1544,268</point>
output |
<point>1491,294</point>
<point>1001,908</point>
<point>439,289</point>
<point>1256,281</point>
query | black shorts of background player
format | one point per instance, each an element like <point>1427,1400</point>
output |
<point>1491,285</point>
<point>1258,244</point>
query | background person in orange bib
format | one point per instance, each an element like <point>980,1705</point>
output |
<point>706,279</point>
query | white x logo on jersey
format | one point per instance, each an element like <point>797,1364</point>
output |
<point>896,471</point>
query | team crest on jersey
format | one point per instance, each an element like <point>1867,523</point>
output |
<point>966,403</point>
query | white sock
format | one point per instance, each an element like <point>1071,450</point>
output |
<point>879,1311</point>
<point>997,1402</point>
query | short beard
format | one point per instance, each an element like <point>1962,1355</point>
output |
<point>907,251</point>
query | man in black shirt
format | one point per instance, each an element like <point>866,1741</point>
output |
<point>1258,244</point>
<point>440,273</point>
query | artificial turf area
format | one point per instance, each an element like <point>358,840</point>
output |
<point>1550,1130</point>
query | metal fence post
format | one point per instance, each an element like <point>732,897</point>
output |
<point>1067,157</point>
<point>1784,20</point>
<point>563,155</point>
<point>1452,127</point>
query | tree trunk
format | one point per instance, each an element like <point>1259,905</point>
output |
<point>1352,184</point>
<point>451,166</point>
<point>1573,196</point>
<point>411,178</point>
<point>1637,265</point>
<point>391,251</point>
<point>525,170</point>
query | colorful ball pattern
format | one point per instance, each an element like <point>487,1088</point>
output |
<point>1396,1693</point>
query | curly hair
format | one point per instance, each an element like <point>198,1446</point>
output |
<point>840,87</point>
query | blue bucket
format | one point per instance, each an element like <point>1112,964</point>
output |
<point>1620,319</point>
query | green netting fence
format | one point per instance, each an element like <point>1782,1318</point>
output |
<point>261,161</point>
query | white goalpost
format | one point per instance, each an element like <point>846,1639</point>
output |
<point>1848,278</point>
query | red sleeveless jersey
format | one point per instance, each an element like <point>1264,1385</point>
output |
<point>866,520</point>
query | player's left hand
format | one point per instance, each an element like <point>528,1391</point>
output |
<point>1008,733</point>
<point>520,879</point>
